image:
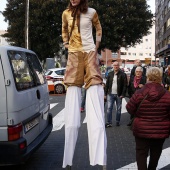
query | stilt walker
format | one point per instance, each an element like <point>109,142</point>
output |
<point>83,68</point>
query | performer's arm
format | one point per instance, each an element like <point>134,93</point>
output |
<point>98,28</point>
<point>64,29</point>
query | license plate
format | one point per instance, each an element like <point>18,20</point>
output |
<point>31,124</point>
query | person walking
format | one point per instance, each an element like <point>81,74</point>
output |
<point>83,68</point>
<point>83,99</point>
<point>135,83</point>
<point>115,90</point>
<point>151,108</point>
<point>166,78</point>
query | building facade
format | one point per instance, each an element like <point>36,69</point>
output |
<point>162,32</point>
<point>145,51</point>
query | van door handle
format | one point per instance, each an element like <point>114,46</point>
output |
<point>38,94</point>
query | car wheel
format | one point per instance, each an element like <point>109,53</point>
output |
<point>59,89</point>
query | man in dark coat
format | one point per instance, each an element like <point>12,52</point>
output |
<point>115,90</point>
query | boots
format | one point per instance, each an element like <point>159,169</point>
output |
<point>68,167</point>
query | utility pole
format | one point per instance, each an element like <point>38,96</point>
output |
<point>27,25</point>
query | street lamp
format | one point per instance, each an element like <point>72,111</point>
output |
<point>27,25</point>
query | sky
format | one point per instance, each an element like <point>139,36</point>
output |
<point>4,25</point>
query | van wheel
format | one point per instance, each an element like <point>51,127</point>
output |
<point>59,89</point>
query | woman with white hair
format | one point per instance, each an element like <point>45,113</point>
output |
<point>151,108</point>
<point>136,82</point>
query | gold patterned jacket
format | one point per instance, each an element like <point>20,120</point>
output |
<point>82,41</point>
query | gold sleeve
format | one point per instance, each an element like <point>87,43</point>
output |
<point>97,25</point>
<point>65,32</point>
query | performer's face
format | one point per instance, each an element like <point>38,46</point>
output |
<point>75,2</point>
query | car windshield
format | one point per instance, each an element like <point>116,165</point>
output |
<point>60,72</point>
<point>48,72</point>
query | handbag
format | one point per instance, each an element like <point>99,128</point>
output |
<point>132,121</point>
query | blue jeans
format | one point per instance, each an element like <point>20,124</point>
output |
<point>83,98</point>
<point>111,98</point>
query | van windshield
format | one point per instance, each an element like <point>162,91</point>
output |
<point>26,68</point>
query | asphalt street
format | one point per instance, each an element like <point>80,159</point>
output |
<point>120,149</point>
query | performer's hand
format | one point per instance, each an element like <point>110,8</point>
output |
<point>121,97</point>
<point>66,45</point>
<point>105,97</point>
<point>140,85</point>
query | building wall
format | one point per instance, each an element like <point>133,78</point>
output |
<point>144,51</point>
<point>162,41</point>
<point>2,39</point>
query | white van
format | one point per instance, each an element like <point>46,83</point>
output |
<point>25,121</point>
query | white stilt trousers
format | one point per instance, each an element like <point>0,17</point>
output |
<point>95,124</point>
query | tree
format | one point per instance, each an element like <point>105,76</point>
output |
<point>124,22</point>
<point>44,25</point>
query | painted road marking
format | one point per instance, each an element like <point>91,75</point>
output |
<point>58,120</point>
<point>53,105</point>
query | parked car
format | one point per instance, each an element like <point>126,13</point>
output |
<point>55,78</point>
<point>54,73</point>
<point>25,121</point>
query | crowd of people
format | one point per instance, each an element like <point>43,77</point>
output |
<point>148,106</point>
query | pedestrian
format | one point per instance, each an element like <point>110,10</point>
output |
<point>150,106</point>
<point>135,83</point>
<point>137,63</point>
<point>83,68</point>
<point>166,78</point>
<point>115,90</point>
<point>83,100</point>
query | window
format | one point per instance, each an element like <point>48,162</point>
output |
<point>35,68</point>
<point>26,69</point>
<point>134,54</point>
<point>140,54</point>
<point>60,72</point>
<point>123,53</point>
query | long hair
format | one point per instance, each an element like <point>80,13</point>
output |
<point>83,6</point>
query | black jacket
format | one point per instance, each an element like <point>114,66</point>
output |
<point>121,83</point>
<point>131,88</point>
